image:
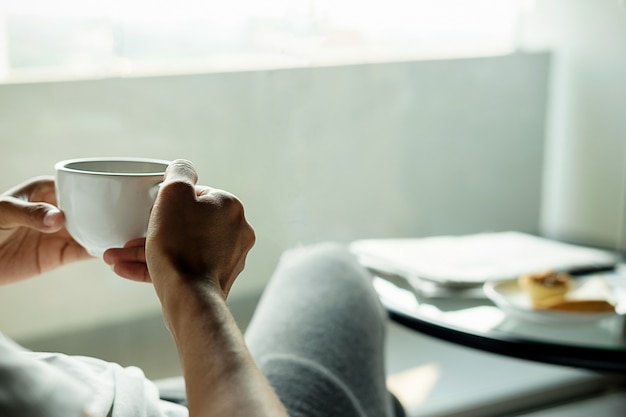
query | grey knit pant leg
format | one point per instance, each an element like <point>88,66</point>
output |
<point>318,336</point>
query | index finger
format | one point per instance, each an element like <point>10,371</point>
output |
<point>180,170</point>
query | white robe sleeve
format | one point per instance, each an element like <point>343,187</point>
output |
<point>31,388</point>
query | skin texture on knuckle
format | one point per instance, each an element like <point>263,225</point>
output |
<point>236,215</point>
<point>36,210</point>
<point>230,205</point>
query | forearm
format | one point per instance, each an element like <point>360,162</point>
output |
<point>220,375</point>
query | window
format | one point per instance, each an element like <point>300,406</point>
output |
<point>40,39</point>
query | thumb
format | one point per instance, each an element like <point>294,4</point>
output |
<point>178,183</point>
<point>181,170</point>
<point>43,217</point>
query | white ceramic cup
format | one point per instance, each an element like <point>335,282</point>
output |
<point>107,201</point>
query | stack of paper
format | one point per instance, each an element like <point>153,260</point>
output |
<point>477,258</point>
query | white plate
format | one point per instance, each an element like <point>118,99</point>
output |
<point>513,300</point>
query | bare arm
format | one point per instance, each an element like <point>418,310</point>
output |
<point>196,246</point>
<point>220,375</point>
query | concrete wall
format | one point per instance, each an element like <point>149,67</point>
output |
<point>339,153</point>
<point>585,182</point>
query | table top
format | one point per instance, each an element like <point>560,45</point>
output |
<point>468,317</point>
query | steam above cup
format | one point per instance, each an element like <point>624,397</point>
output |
<point>107,201</point>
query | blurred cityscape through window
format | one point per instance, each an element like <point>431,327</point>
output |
<point>42,39</point>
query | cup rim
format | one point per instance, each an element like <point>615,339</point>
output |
<point>63,166</point>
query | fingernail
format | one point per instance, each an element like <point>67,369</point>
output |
<point>51,217</point>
